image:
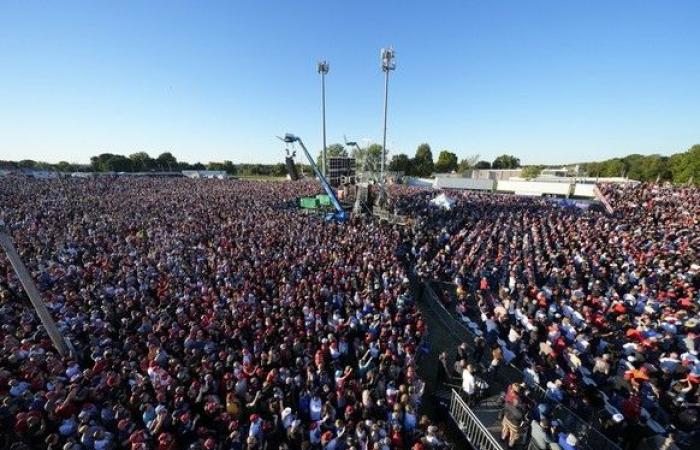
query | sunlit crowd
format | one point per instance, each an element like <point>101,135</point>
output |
<point>205,314</point>
<point>600,311</point>
<point>214,314</point>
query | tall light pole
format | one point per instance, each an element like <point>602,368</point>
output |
<point>388,64</point>
<point>322,68</point>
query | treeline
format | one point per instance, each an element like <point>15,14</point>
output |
<point>422,164</point>
<point>679,168</point>
<point>143,162</point>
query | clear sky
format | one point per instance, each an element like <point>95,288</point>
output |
<point>548,81</point>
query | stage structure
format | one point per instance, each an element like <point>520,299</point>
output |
<point>341,171</point>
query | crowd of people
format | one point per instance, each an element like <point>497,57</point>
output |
<point>213,314</point>
<point>600,311</point>
<point>205,314</point>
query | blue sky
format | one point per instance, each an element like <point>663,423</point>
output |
<point>548,81</point>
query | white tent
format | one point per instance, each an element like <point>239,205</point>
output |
<point>443,201</point>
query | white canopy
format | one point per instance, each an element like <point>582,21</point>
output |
<point>443,201</point>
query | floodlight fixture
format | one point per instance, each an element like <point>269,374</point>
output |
<point>387,58</point>
<point>388,64</point>
<point>322,68</point>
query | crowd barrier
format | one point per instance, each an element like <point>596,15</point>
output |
<point>467,422</point>
<point>589,437</point>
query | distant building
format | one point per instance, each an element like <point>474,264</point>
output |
<point>205,174</point>
<point>544,185</point>
<point>37,173</point>
<point>507,174</point>
<point>81,175</point>
<point>153,174</point>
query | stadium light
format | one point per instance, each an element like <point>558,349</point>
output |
<point>388,64</point>
<point>322,68</point>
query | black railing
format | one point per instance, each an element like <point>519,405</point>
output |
<point>588,436</point>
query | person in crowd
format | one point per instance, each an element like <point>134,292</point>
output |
<point>540,439</point>
<point>468,382</point>
<point>444,370</point>
<point>568,441</point>
<point>513,423</point>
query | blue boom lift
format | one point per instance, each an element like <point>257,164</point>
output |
<point>340,215</point>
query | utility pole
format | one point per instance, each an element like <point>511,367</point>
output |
<point>32,292</point>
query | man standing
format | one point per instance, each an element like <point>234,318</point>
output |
<point>539,434</point>
<point>513,416</point>
<point>469,383</point>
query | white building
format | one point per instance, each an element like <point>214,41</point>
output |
<point>205,174</point>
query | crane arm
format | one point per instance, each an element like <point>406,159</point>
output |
<point>340,212</point>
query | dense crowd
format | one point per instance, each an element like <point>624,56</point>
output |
<point>205,314</point>
<point>212,314</point>
<point>599,311</point>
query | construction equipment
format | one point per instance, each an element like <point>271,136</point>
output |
<point>340,214</point>
<point>291,168</point>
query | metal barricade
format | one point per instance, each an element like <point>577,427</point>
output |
<point>467,422</point>
<point>589,437</point>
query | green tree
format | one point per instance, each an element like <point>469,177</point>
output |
<point>118,163</point>
<point>368,159</point>
<point>226,166</point>
<point>303,169</point>
<point>279,170</point>
<point>613,168</point>
<point>446,162</point>
<point>166,161</point>
<point>262,169</point>
<point>400,163</point>
<point>97,162</point>
<point>213,165</point>
<point>647,168</point>
<point>467,163</point>
<point>8,165</point>
<point>506,162</point>
<point>686,166</point>
<point>592,169</point>
<point>229,167</point>
<point>27,164</point>
<point>482,165</point>
<point>423,165</point>
<point>634,166</point>
<point>65,166</point>
<point>657,167</point>
<point>530,172</point>
<point>42,165</point>
<point>332,151</point>
<point>109,162</point>
<point>142,162</point>
<point>184,165</point>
